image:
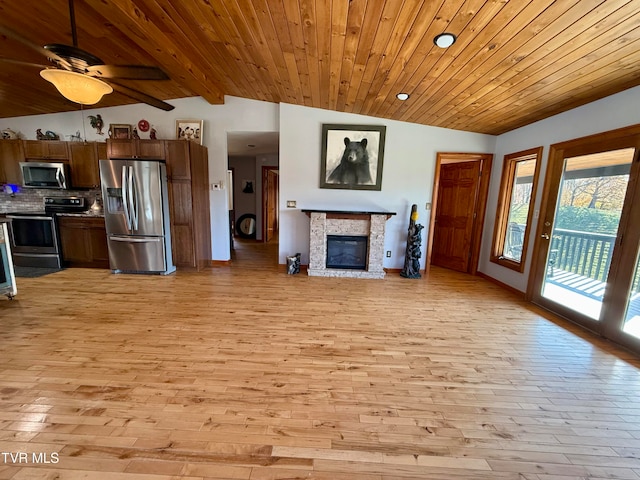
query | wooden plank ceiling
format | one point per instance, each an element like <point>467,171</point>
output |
<point>515,62</point>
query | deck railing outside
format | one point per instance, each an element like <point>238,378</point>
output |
<point>583,253</point>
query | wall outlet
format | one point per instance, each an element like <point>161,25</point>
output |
<point>388,253</point>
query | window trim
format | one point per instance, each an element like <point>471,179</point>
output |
<point>509,164</point>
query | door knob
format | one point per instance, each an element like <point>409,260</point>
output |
<point>545,236</point>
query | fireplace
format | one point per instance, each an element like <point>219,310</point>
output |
<point>359,237</point>
<point>347,251</point>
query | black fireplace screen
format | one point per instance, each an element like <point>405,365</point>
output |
<point>347,251</point>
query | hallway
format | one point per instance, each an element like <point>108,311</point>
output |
<point>249,253</point>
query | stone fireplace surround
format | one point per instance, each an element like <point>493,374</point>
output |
<point>340,222</point>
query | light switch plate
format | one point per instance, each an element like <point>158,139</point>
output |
<point>291,204</point>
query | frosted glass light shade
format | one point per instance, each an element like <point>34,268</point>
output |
<point>445,40</point>
<point>77,87</point>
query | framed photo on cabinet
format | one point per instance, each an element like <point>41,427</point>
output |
<point>119,131</point>
<point>190,130</point>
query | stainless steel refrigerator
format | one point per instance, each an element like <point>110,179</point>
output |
<point>136,214</point>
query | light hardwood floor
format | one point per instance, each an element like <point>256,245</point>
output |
<point>244,372</point>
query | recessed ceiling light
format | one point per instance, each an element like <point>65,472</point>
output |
<point>444,40</point>
<point>402,96</point>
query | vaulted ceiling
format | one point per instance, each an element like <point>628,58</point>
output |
<point>514,62</point>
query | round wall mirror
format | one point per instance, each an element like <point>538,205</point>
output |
<point>246,226</point>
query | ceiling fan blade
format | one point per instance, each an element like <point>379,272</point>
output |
<point>19,38</point>
<point>24,64</point>
<point>142,97</point>
<point>131,72</point>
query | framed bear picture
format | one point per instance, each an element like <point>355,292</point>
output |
<point>351,156</point>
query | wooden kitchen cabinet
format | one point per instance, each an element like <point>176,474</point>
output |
<point>83,160</point>
<point>45,150</point>
<point>134,148</point>
<point>84,241</point>
<point>188,175</point>
<point>11,154</point>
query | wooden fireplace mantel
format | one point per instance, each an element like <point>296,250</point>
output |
<point>359,215</point>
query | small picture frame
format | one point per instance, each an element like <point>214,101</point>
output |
<point>119,131</point>
<point>190,130</point>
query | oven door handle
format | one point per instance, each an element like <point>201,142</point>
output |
<point>22,217</point>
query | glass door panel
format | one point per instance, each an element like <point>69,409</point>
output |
<point>583,236</point>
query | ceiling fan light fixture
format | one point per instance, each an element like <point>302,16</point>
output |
<point>444,40</point>
<point>77,87</point>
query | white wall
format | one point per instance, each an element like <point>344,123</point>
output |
<point>237,114</point>
<point>408,172</point>
<point>616,111</point>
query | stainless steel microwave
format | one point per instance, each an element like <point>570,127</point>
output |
<point>44,175</point>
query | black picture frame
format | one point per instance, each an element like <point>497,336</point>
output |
<point>340,141</point>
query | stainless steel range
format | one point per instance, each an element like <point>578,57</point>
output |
<point>35,241</point>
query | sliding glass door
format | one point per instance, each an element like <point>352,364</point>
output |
<point>583,235</point>
<point>585,264</point>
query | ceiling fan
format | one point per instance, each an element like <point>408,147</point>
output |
<point>86,70</point>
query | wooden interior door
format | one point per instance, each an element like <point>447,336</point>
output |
<point>457,197</point>
<point>270,202</point>
<point>461,188</point>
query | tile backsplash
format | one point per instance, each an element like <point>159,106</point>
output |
<point>31,199</point>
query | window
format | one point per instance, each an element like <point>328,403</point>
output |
<point>517,196</point>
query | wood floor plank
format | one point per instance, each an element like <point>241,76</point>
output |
<point>244,372</point>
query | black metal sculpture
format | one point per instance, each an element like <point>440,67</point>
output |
<point>293,264</point>
<point>414,241</point>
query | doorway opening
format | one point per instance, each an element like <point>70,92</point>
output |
<point>253,159</point>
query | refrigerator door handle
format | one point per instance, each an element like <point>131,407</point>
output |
<point>130,197</point>
<point>136,240</point>
<point>125,199</point>
<point>134,198</point>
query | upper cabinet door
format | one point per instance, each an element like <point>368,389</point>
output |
<point>147,149</point>
<point>85,172</point>
<point>151,149</point>
<point>45,150</point>
<point>178,162</point>
<point>11,154</point>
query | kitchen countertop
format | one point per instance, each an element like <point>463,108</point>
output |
<point>87,214</point>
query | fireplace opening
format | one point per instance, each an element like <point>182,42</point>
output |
<point>347,251</point>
